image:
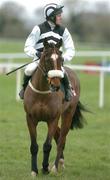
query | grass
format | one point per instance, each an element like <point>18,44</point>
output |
<point>10,46</point>
<point>87,152</point>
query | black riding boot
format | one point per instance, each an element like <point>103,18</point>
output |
<point>67,87</point>
<point>25,83</point>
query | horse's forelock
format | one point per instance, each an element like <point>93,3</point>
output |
<point>52,54</point>
<point>52,44</point>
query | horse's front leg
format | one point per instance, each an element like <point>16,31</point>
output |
<point>66,123</point>
<point>59,157</point>
<point>34,146</point>
<point>56,137</point>
<point>52,126</point>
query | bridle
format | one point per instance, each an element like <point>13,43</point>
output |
<point>43,69</point>
<point>48,74</point>
<point>44,72</point>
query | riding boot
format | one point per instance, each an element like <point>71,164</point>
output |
<point>67,87</point>
<point>25,83</point>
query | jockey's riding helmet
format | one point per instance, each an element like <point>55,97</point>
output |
<point>51,10</point>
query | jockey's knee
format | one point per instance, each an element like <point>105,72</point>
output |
<point>28,72</point>
<point>30,69</point>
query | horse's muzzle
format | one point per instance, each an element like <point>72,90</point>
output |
<point>54,88</point>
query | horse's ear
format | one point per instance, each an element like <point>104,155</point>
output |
<point>45,43</point>
<point>59,44</point>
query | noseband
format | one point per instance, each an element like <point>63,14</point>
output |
<point>48,74</point>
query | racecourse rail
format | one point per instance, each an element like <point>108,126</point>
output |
<point>103,54</point>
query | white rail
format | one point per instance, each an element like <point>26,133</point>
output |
<point>12,55</point>
<point>93,53</point>
<point>103,54</point>
<point>100,69</point>
<point>78,53</point>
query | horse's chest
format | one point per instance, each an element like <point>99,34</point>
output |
<point>44,111</point>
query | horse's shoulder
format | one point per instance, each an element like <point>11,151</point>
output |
<point>70,71</point>
<point>72,74</point>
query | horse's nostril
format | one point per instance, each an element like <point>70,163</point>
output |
<point>57,88</point>
<point>54,88</point>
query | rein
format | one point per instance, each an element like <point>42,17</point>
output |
<point>42,70</point>
<point>48,74</point>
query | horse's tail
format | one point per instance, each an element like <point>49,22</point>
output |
<point>78,119</point>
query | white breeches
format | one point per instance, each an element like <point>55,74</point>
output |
<point>32,67</point>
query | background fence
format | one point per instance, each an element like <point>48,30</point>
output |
<point>6,67</point>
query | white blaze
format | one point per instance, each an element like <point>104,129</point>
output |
<point>54,56</point>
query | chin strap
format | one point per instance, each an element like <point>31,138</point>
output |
<point>51,19</point>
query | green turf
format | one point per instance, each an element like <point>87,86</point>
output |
<point>10,46</point>
<point>87,152</point>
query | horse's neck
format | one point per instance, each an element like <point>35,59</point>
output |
<point>39,80</point>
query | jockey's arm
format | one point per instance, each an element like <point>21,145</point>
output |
<point>69,49</point>
<point>30,43</point>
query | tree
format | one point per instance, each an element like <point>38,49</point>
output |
<point>86,23</point>
<point>11,20</point>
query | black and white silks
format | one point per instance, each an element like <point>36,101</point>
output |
<point>34,42</point>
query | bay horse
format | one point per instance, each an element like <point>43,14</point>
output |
<point>45,101</point>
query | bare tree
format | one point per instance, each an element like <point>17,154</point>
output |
<point>86,23</point>
<point>11,20</point>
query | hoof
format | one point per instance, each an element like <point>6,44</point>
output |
<point>61,163</point>
<point>54,170</point>
<point>46,170</point>
<point>33,174</point>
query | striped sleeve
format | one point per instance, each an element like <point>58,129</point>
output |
<point>31,41</point>
<point>69,49</point>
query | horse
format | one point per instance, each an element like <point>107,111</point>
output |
<point>44,100</point>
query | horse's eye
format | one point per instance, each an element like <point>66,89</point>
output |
<point>60,52</point>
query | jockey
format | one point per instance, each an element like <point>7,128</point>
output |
<point>53,31</point>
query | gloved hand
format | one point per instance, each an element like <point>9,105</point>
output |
<point>38,54</point>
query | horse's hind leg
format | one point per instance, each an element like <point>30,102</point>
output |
<point>34,146</point>
<point>47,145</point>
